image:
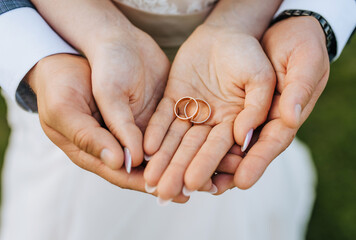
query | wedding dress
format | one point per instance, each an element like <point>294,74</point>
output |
<point>47,197</point>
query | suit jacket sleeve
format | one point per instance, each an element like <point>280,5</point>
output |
<point>340,14</point>
<point>25,39</point>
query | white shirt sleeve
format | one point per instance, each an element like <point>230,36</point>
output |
<point>340,14</point>
<point>25,39</point>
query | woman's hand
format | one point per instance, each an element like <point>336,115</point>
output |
<point>129,70</point>
<point>128,79</point>
<point>230,71</point>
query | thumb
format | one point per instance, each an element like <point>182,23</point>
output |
<point>84,131</point>
<point>119,119</point>
<point>300,83</point>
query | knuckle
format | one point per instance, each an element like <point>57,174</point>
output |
<point>307,88</point>
<point>82,140</point>
<point>219,140</point>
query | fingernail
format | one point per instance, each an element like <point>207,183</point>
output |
<point>146,157</point>
<point>298,112</point>
<point>214,189</point>
<point>106,156</point>
<point>128,160</point>
<point>150,189</point>
<point>247,140</point>
<point>186,192</point>
<point>162,202</point>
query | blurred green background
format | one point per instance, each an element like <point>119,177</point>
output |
<point>330,132</point>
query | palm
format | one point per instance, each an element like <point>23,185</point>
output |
<point>221,71</point>
<point>128,77</point>
<point>137,71</point>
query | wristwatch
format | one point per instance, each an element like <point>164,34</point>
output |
<point>331,44</point>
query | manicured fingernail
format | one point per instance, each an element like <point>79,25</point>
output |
<point>298,112</point>
<point>214,189</point>
<point>128,160</point>
<point>146,157</point>
<point>247,140</point>
<point>150,189</point>
<point>186,192</point>
<point>106,156</point>
<point>162,202</point>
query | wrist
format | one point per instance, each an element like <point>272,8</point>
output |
<point>49,66</point>
<point>250,17</point>
<point>106,35</point>
<point>316,19</point>
<point>305,25</point>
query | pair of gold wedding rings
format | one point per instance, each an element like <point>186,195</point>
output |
<point>195,116</point>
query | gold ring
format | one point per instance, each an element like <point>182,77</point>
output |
<point>192,119</point>
<point>189,100</point>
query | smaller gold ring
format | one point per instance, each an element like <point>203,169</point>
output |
<point>192,119</point>
<point>186,117</point>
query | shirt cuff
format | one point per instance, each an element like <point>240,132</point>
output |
<point>341,16</point>
<point>25,39</point>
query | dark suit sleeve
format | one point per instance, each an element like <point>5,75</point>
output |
<point>8,5</point>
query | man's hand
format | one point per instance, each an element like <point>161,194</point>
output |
<point>296,47</point>
<point>70,118</point>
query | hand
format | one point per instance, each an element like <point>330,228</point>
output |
<point>231,72</point>
<point>128,79</point>
<point>70,118</point>
<point>301,62</point>
<point>129,70</point>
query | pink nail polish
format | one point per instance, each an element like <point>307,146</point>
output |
<point>146,157</point>
<point>186,192</point>
<point>214,189</point>
<point>162,202</point>
<point>150,189</point>
<point>128,160</point>
<point>247,140</point>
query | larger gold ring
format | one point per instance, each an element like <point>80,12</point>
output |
<point>176,112</point>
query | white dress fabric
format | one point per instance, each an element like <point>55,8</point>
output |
<point>170,6</point>
<point>45,196</point>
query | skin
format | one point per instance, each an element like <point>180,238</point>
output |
<point>226,66</point>
<point>129,73</point>
<point>282,124</point>
<point>67,111</point>
<point>85,109</point>
<point>301,62</point>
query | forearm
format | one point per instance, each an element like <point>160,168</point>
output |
<point>246,16</point>
<point>85,24</point>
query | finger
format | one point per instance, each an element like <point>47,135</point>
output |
<point>274,112</point>
<point>300,86</point>
<point>236,149</point>
<point>223,182</point>
<point>84,131</point>
<point>259,94</point>
<point>274,138</point>
<point>158,126</point>
<point>171,182</point>
<point>229,163</point>
<point>120,178</point>
<point>118,117</point>
<point>204,164</point>
<point>160,160</point>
